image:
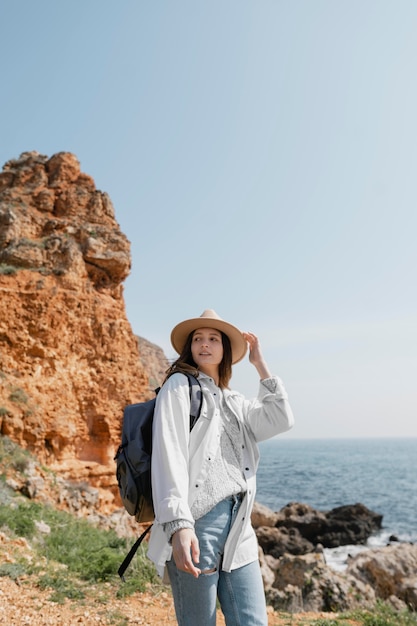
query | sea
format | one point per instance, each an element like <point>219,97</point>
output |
<point>327,473</point>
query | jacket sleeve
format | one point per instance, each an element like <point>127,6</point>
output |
<point>170,456</point>
<point>270,413</point>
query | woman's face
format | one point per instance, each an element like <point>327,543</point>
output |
<point>207,349</point>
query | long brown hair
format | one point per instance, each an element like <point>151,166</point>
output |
<point>186,363</point>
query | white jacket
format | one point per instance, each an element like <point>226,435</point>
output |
<point>181,460</point>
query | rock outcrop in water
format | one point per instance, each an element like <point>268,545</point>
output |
<point>298,528</point>
<point>294,570</point>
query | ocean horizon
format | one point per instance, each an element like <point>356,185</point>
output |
<point>380,473</point>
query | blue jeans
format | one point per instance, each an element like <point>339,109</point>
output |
<point>240,592</point>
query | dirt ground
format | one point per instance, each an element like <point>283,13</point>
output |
<point>25,605</point>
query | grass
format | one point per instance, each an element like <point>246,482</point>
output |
<point>384,615</point>
<point>33,243</point>
<point>65,552</point>
<point>10,270</point>
<point>13,457</point>
<point>7,269</point>
<point>18,395</point>
<point>381,615</point>
<point>75,550</point>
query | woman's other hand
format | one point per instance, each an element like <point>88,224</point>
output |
<point>186,551</point>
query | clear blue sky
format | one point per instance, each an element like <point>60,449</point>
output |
<point>262,159</point>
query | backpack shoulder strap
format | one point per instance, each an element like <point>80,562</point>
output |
<point>131,554</point>
<point>196,399</point>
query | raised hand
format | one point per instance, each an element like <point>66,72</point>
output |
<point>255,355</point>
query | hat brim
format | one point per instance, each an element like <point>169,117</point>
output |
<point>181,331</point>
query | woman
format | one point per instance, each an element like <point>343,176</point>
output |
<point>204,482</point>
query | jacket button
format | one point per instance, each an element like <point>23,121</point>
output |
<point>247,469</point>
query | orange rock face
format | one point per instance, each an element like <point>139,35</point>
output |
<point>69,360</point>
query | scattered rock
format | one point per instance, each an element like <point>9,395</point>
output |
<point>42,527</point>
<point>279,541</point>
<point>263,516</point>
<point>391,571</point>
<point>306,583</point>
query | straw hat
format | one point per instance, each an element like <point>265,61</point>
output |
<point>210,319</point>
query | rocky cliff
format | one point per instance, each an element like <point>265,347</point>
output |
<point>154,361</point>
<point>69,360</point>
